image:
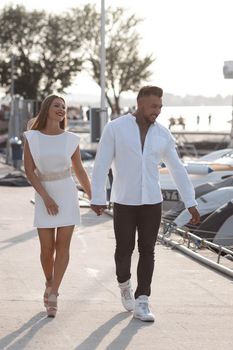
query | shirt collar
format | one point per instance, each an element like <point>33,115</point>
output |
<point>132,117</point>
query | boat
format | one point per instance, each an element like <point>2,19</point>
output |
<point>207,204</point>
<point>212,168</point>
<point>218,227</point>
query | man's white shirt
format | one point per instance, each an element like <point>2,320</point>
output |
<point>136,171</point>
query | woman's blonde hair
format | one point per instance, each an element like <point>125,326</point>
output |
<point>40,120</point>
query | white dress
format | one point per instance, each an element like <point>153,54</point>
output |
<point>52,155</point>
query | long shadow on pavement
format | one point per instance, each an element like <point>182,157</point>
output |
<point>18,239</point>
<point>122,340</point>
<point>13,340</point>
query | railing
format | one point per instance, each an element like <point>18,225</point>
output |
<point>191,244</point>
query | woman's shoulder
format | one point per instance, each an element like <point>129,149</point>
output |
<point>72,135</point>
<point>73,138</point>
<point>73,141</point>
<point>30,133</point>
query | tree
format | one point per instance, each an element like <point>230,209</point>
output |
<point>46,53</point>
<point>49,51</point>
<point>125,69</point>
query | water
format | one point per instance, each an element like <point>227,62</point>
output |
<point>220,117</point>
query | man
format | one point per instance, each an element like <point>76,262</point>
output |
<point>134,145</point>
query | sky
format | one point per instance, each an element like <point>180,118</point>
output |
<point>190,40</point>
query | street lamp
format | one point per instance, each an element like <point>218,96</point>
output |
<point>103,109</point>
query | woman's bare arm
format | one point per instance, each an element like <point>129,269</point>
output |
<point>80,172</point>
<point>30,167</point>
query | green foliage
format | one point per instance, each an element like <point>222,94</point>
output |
<point>125,69</point>
<point>49,51</point>
<point>45,52</point>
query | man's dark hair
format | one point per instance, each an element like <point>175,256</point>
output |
<point>150,90</point>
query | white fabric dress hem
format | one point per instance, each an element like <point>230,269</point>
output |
<point>62,225</point>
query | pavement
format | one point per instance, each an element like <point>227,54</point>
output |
<point>192,303</point>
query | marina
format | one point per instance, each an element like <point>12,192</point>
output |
<point>100,62</point>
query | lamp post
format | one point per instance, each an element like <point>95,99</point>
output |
<point>11,125</point>
<point>103,109</point>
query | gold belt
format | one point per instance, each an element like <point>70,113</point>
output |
<point>54,176</point>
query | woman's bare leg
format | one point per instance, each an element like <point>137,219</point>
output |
<point>62,246</point>
<point>47,243</point>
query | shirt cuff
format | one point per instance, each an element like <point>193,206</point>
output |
<point>98,202</point>
<point>190,203</point>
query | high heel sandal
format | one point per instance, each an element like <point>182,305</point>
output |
<point>52,305</point>
<point>47,291</point>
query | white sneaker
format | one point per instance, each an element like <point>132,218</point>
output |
<point>142,310</point>
<point>127,296</point>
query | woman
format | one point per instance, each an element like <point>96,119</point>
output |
<point>49,154</point>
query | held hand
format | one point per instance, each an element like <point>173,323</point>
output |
<point>195,220</point>
<point>51,205</point>
<point>98,209</point>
